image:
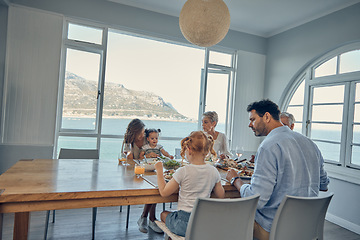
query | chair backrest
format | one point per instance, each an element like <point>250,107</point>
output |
<point>213,218</point>
<point>66,153</point>
<point>300,218</point>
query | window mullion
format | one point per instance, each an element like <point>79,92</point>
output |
<point>102,87</point>
<point>61,86</point>
<point>306,110</point>
<point>309,92</point>
<point>349,123</point>
<point>204,76</point>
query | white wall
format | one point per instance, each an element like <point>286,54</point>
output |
<point>291,51</point>
<point>344,208</point>
<point>30,85</point>
<point>3,31</point>
<point>287,55</point>
<point>32,75</point>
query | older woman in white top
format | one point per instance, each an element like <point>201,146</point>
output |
<point>221,145</point>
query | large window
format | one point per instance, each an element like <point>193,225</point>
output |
<point>111,77</point>
<point>331,104</point>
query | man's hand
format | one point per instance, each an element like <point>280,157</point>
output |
<point>238,182</point>
<point>231,173</point>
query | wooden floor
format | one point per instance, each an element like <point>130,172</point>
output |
<point>110,224</point>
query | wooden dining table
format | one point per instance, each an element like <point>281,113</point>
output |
<point>52,184</point>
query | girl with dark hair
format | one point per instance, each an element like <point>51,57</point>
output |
<point>152,148</point>
<point>135,135</point>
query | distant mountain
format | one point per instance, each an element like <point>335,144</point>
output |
<point>80,100</point>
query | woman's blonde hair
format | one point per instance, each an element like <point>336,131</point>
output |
<point>199,142</point>
<point>133,130</point>
<point>212,115</point>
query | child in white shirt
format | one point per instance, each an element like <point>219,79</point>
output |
<point>195,180</point>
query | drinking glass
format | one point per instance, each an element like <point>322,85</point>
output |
<point>239,151</point>
<point>139,170</point>
<point>122,158</point>
<point>126,151</point>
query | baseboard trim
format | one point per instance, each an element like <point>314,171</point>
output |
<point>343,223</point>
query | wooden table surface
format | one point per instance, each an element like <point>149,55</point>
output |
<point>47,184</point>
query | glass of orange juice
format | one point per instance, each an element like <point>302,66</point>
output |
<point>121,158</point>
<point>139,170</point>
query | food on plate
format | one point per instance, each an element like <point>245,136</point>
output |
<point>171,164</point>
<point>226,163</point>
<point>168,174</point>
<point>245,169</point>
<point>245,172</point>
<point>230,162</point>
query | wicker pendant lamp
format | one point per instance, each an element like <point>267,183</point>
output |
<point>204,22</point>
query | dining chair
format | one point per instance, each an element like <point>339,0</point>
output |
<point>214,218</point>
<point>300,218</point>
<point>66,153</point>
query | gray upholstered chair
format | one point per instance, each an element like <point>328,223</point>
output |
<point>300,218</point>
<point>214,218</point>
<point>75,154</point>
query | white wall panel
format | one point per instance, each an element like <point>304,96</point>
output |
<point>32,75</point>
<point>249,88</point>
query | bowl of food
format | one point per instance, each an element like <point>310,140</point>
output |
<point>150,165</point>
<point>171,164</point>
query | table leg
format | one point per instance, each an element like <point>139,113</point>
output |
<point>21,225</point>
<point>1,224</point>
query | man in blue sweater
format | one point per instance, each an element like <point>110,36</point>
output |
<point>286,163</point>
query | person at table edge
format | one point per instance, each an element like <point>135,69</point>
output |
<point>286,163</point>
<point>135,135</point>
<point>287,119</point>
<point>209,121</point>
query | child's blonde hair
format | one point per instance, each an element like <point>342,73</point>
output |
<point>197,141</point>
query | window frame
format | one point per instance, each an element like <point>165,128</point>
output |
<point>342,170</point>
<point>102,50</point>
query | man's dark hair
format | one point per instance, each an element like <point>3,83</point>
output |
<point>263,106</point>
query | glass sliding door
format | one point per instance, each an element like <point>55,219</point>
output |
<point>79,112</point>
<point>217,88</point>
<point>217,92</point>
<point>81,89</point>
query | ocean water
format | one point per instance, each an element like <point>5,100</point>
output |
<point>110,147</point>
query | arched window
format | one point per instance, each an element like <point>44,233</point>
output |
<point>325,101</point>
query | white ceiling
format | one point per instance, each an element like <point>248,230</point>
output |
<point>259,17</point>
